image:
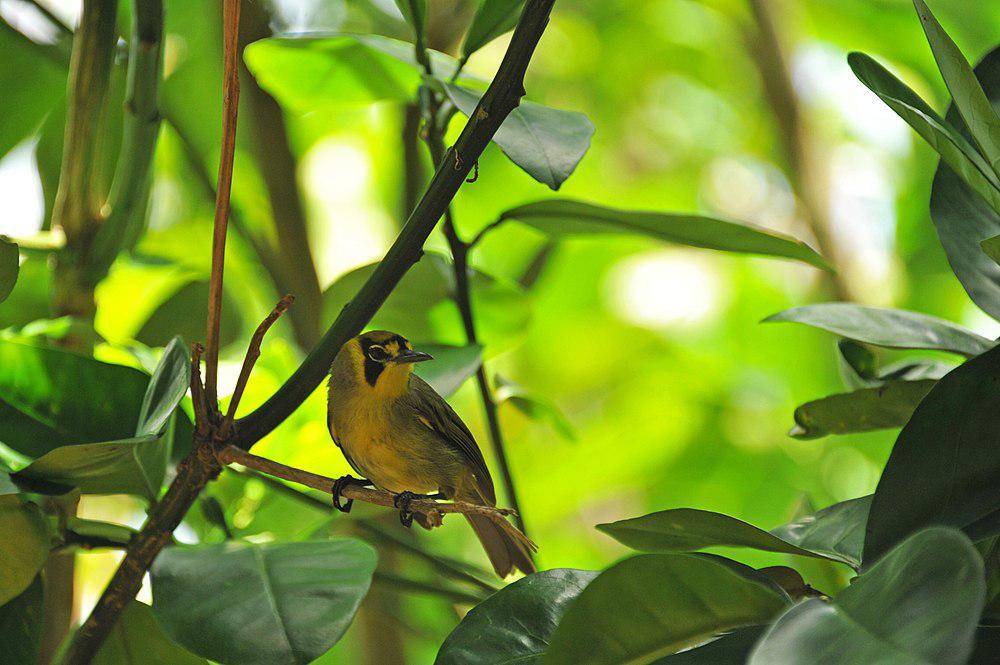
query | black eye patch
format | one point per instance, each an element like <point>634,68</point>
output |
<point>377,353</point>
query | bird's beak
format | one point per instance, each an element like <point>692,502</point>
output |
<point>409,356</point>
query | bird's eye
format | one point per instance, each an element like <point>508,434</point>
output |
<point>377,353</point>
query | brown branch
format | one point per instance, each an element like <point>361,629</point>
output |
<point>201,418</point>
<point>253,353</point>
<point>230,108</point>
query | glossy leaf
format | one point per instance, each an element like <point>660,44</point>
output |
<point>836,532</point>
<point>946,461</point>
<point>137,639</point>
<point>653,605</point>
<point>24,545</point>
<point>561,218</point>
<point>451,367</point>
<point>533,407</point>
<point>966,92</point>
<point>892,328</point>
<point>492,19</point>
<point>546,143</point>
<point>21,625</point>
<point>514,625</point>
<point>9,266</point>
<point>885,406</point>
<point>166,389</point>
<point>919,604</point>
<point>270,603</point>
<point>963,219</point>
<point>690,529</point>
<point>947,141</point>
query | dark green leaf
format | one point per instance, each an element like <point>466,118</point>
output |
<point>514,624</point>
<point>26,99</point>
<point>508,392</point>
<point>888,405</point>
<point>893,328</point>
<point>946,461</point>
<point>918,605</point>
<point>547,143</point>
<point>858,365</point>
<point>966,92</point>
<point>21,625</point>
<point>836,532</point>
<point>137,639</point>
<point>24,545</point>
<point>565,217</point>
<point>954,148</point>
<point>91,532</point>
<point>653,605</point>
<point>689,529</point>
<point>493,18</point>
<point>415,14</point>
<point>9,264</point>
<point>271,603</point>
<point>166,389</point>
<point>451,366</point>
<point>730,649</point>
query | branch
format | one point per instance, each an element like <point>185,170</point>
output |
<point>397,582</point>
<point>500,99</point>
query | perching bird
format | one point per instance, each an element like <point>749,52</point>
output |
<point>403,437</point>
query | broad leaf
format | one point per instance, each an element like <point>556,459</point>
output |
<point>9,265</point>
<point>917,605</point>
<point>966,92</point>
<point>657,604</point>
<point>24,545</point>
<point>514,625</point>
<point>950,144</point>
<point>689,529</point>
<point>946,461</point>
<point>21,625</point>
<point>508,392</point>
<point>493,18</point>
<point>560,218</point>
<point>892,328</point>
<point>885,406</point>
<point>137,639</point>
<point>26,98</point>
<point>729,649</point>
<point>270,603</point>
<point>166,389</point>
<point>547,143</point>
<point>836,532</point>
<point>451,367</point>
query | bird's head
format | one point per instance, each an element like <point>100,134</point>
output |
<point>383,360</point>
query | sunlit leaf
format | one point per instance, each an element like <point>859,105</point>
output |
<point>9,265</point>
<point>492,19</point>
<point>515,624</point>
<point>567,218</point>
<point>451,367</point>
<point>946,461</point>
<point>864,410</point>
<point>547,143</point>
<point>270,603</point>
<point>137,639</point>
<point>21,624</point>
<point>24,545</point>
<point>919,604</point>
<point>508,392</point>
<point>657,604</point>
<point>893,328</point>
<point>26,99</point>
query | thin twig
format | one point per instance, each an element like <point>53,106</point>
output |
<point>253,353</point>
<point>397,582</point>
<point>201,417</point>
<point>230,108</point>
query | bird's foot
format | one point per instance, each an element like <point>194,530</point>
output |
<point>402,502</point>
<point>340,484</point>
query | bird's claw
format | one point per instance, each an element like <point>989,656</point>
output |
<point>338,487</point>
<point>402,502</point>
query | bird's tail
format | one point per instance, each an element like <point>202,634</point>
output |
<point>505,545</point>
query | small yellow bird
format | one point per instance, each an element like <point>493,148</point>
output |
<point>403,437</point>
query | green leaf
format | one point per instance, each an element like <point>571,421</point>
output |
<point>561,218</point>
<point>514,624</point>
<point>962,218</point>
<point>415,14</point>
<point>657,604</point>
<point>451,367</point>
<point>24,545</point>
<point>26,99</point>
<point>966,92</point>
<point>858,364</point>
<point>892,328</point>
<point>493,18</point>
<point>508,392</point>
<point>836,532</point>
<point>172,317</point>
<point>546,143</point>
<point>269,603</point>
<point>78,529</point>
<point>917,605</point>
<point>944,466</point>
<point>730,649</point>
<point>9,265</point>
<point>864,410</point>
<point>690,529</point>
<point>991,246</point>
<point>21,625</point>
<point>950,144</point>
<point>166,389</point>
<point>137,639</point>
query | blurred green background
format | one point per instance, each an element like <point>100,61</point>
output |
<point>675,393</point>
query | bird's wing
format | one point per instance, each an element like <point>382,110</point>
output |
<point>443,420</point>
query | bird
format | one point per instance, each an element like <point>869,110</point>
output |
<point>401,436</point>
